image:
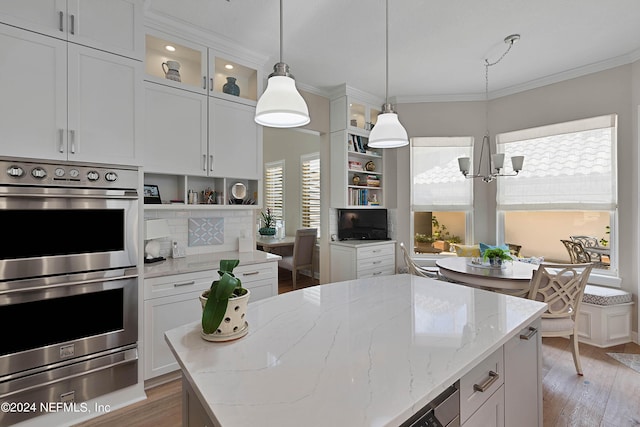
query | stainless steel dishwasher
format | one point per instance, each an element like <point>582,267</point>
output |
<point>443,411</point>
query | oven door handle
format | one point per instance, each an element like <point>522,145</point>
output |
<point>67,284</point>
<point>110,194</point>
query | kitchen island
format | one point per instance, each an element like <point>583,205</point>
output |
<point>367,352</point>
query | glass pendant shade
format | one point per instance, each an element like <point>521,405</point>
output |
<point>388,132</point>
<point>281,105</point>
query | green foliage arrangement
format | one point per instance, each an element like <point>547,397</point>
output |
<point>501,254</point>
<point>268,219</point>
<point>228,286</point>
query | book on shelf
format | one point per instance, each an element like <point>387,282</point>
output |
<point>355,165</point>
<point>373,180</point>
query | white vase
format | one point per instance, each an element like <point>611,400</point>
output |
<point>234,324</point>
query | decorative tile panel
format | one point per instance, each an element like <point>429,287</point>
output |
<point>206,231</point>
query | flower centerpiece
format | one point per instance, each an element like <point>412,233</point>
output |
<point>224,306</point>
<point>496,256</point>
<point>268,222</point>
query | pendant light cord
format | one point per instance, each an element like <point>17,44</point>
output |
<point>281,31</point>
<point>386,90</point>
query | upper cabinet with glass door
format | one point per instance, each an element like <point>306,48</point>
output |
<point>354,111</point>
<point>186,65</point>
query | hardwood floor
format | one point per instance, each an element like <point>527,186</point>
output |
<point>608,395</point>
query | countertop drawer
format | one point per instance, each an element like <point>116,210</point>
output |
<point>385,249</point>
<point>176,284</point>
<point>255,272</point>
<point>368,263</point>
<point>488,373</point>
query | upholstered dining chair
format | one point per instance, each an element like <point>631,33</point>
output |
<point>561,286</point>
<point>416,269</point>
<point>302,257</point>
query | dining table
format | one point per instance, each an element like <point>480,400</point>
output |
<point>512,278</point>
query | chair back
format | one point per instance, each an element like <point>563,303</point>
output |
<point>303,246</point>
<point>414,268</point>
<point>577,253</point>
<point>588,242</point>
<point>561,286</point>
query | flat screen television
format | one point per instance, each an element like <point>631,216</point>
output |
<point>362,224</point>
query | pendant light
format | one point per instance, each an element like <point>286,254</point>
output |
<point>495,162</point>
<point>388,132</point>
<point>281,105</point>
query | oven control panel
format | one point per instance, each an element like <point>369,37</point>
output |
<point>26,172</point>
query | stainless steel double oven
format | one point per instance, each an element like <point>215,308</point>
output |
<point>68,282</point>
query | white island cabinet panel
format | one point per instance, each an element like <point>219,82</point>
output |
<point>332,355</point>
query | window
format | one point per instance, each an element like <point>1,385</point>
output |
<point>274,188</point>
<point>568,187</point>
<point>441,197</point>
<point>310,190</point>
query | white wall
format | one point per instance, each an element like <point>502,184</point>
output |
<point>612,91</point>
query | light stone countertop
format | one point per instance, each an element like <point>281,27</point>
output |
<point>368,352</point>
<point>210,261</point>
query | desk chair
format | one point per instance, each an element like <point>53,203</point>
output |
<point>303,247</point>
<point>415,268</point>
<point>561,286</point>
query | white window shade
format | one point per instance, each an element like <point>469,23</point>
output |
<point>568,166</point>
<point>437,183</point>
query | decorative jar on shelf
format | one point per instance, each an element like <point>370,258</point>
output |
<point>231,87</point>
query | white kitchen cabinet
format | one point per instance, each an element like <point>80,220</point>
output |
<point>175,130</point>
<point>523,373</point>
<point>358,260</point>
<point>172,301</point>
<point>68,102</point>
<point>113,26</point>
<point>235,140</point>
<point>478,386</point>
<point>491,413</point>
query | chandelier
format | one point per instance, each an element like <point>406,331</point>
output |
<point>495,162</point>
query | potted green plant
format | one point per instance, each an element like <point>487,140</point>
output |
<point>268,222</point>
<point>496,256</point>
<point>224,306</point>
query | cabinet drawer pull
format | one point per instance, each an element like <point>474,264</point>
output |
<point>376,250</point>
<point>376,262</point>
<point>377,273</point>
<point>177,285</point>
<point>493,377</point>
<point>253,273</point>
<point>530,333</point>
<point>61,23</point>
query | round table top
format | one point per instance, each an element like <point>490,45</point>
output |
<point>515,275</point>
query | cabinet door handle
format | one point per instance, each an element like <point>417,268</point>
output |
<point>211,163</point>
<point>493,377</point>
<point>61,21</point>
<point>211,85</point>
<point>253,273</point>
<point>204,82</point>
<point>61,137</point>
<point>530,333</point>
<point>204,162</point>
<point>72,30</point>
<point>72,138</point>
<point>177,285</point>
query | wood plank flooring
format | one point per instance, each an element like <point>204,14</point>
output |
<point>608,395</point>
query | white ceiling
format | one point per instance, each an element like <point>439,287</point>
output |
<point>436,48</point>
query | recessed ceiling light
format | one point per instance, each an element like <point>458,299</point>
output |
<point>229,67</point>
<point>170,48</point>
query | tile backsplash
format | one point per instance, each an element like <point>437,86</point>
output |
<point>218,230</point>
